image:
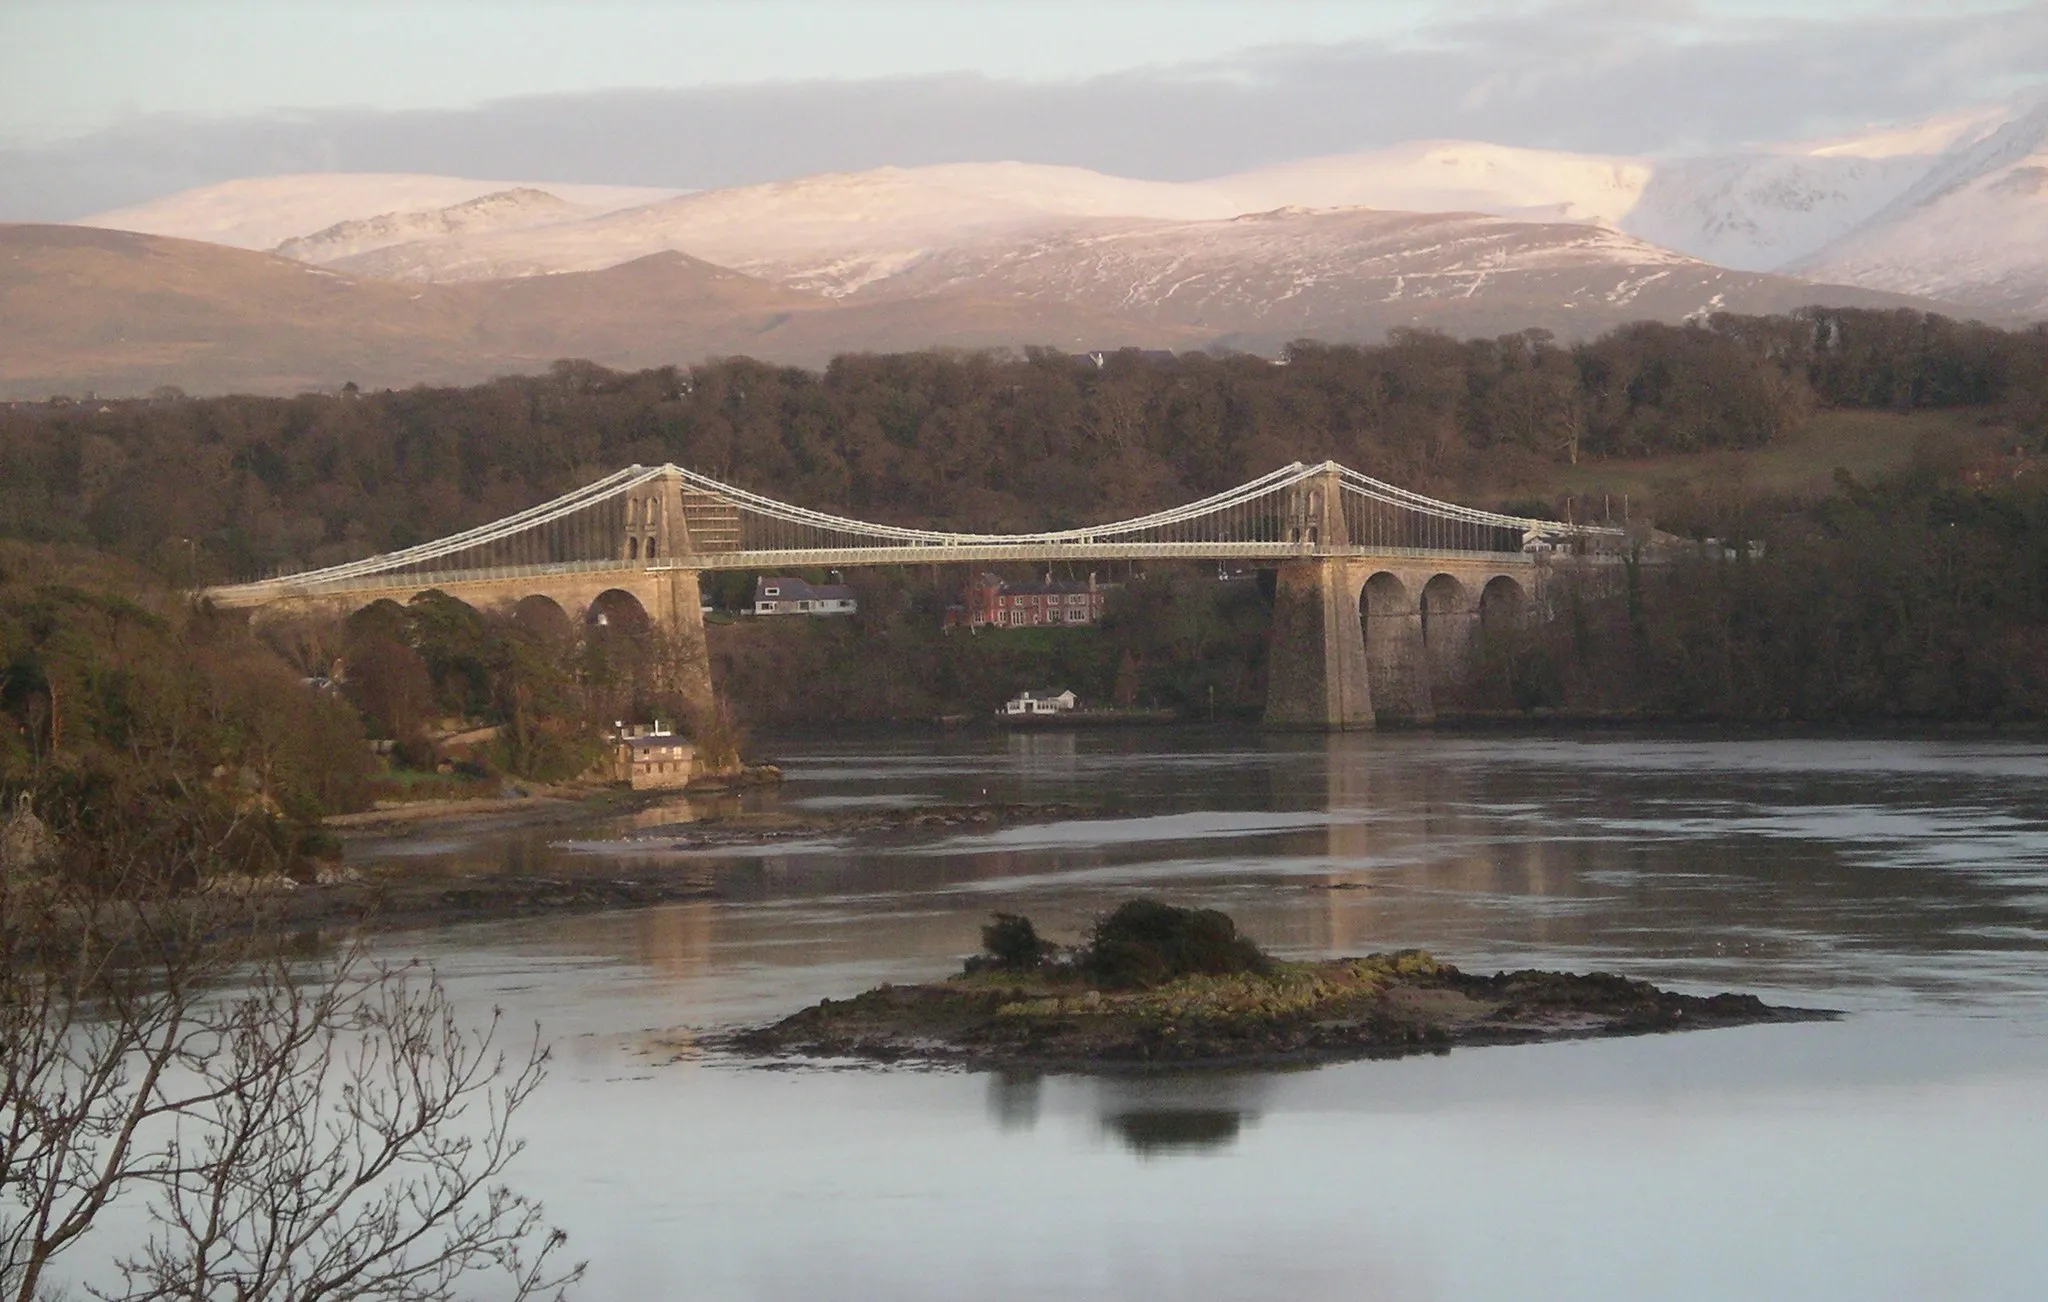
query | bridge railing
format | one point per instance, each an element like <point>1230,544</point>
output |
<point>303,587</point>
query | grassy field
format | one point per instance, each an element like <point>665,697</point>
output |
<point>1865,443</point>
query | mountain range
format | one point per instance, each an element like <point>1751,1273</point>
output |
<point>279,283</point>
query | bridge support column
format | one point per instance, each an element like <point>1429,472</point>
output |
<point>679,609</point>
<point>1316,669</point>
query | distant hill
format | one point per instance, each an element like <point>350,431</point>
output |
<point>117,313</point>
<point>111,312</point>
<point>278,283</point>
<point>261,212</point>
<point>1948,208</point>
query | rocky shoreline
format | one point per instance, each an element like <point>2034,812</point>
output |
<point>1159,987</point>
<point>1379,1006</point>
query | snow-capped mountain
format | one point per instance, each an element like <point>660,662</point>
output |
<point>1260,280</point>
<point>1972,228</point>
<point>833,233</point>
<point>501,210</point>
<point>1947,208</point>
<point>1450,176</point>
<point>1768,208</point>
<point>838,233</point>
<point>1300,266</point>
<point>261,212</point>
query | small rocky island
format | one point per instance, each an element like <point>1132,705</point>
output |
<point>1159,986</point>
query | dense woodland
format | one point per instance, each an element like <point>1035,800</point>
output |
<point>232,487</point>
<point>1919,596</point>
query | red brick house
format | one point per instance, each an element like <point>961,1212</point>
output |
<point>1007,604</point>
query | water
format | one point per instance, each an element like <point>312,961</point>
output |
<point>1900,1152</point>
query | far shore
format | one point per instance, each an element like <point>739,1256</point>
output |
<point>392,874</point>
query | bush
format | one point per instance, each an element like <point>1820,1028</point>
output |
<point>1145,943</point>
<point>1011,944</point>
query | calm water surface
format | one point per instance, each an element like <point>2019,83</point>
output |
<point>1900,1153</point>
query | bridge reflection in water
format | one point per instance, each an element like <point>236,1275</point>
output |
<point>1377,587</point>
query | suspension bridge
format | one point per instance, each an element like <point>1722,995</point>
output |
<point>1378,587</point>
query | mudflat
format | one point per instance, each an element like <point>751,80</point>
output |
<point>378,884</point>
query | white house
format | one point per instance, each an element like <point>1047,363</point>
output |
<point>1046,701</point>
<point>787,596</point>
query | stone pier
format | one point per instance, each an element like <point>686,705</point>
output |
<point>1316,670</point>
<point>1359,642</point>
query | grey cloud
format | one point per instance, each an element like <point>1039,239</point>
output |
<point>1595,78</point>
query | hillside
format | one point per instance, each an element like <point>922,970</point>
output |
<point>114,313</point>
<point>117,313</point>
<point>1259,281</point>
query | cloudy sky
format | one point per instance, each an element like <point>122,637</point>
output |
<point>107,102</point>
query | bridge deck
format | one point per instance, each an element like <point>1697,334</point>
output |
<point>284,588</point>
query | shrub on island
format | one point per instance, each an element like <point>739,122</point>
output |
<point>1142,944</point>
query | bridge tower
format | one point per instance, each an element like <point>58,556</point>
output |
<point>1316,671</point>
<point>655,530</point>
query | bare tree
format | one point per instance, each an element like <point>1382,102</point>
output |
<point>297,1129</point>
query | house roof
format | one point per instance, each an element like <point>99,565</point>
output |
<point>1040,587</point>
<point>793,589</point>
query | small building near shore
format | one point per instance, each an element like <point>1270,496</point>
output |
<point>649,757</point>
<point>1044,701</point>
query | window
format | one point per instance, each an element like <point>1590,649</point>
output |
<point>771,592</point>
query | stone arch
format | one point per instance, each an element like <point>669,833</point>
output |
<point>1503,602</point>
<point>1444,606</point>
<point>1383,593</point>
<point>542,614</point>
<point>616,608</point>
<point>1448,616</point>
<point>1396,663</point>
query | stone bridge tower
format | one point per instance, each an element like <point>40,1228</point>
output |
<point>1316,671</point>
<point>654,530</point>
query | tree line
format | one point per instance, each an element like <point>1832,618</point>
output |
<point>235,487</point>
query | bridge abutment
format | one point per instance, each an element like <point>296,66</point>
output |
<point>1316,668</point>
